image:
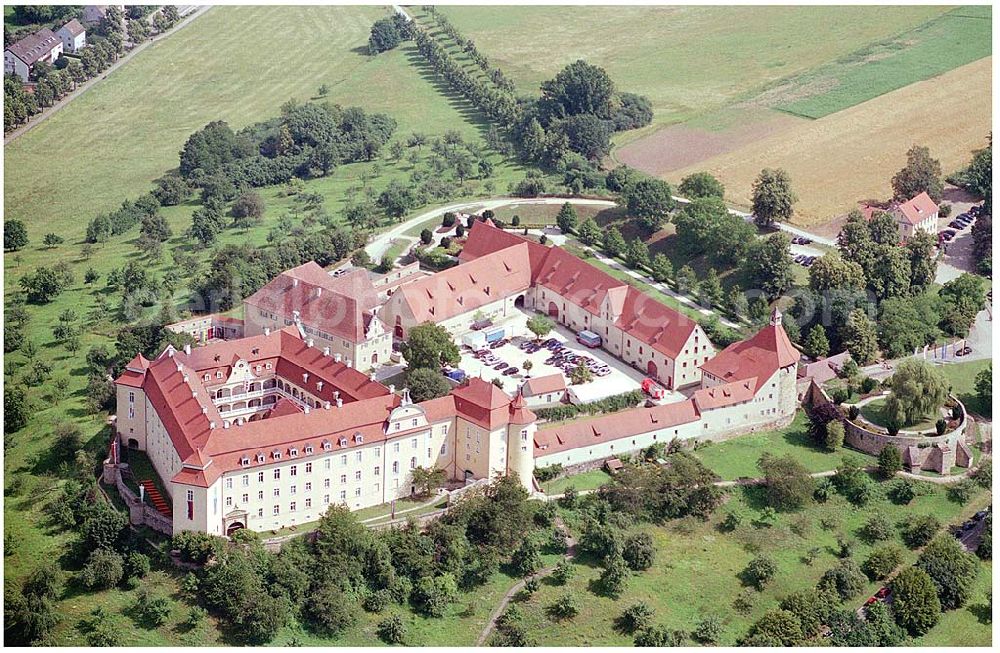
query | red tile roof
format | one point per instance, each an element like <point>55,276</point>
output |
<point>917,209</point>
<point>614,426</point>
<point>725,394</point>
<point>519,411</point>
<point>641,316</point>
<point>539,385</point>
<point>73,27</point>
<point>758,357</point>
<point>482,403</point>
<point>341,306</point>
<point>468,286</point>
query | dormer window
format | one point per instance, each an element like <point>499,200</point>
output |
<point>207,377</point>
<point>343,441</point>
<point>258,368</point>
<point>276,454</point>
<point>327,445</point>
<point>309,449</point>
<point>218,374</point>
<point>260,458</point>
<point>294,452</point>
<point>358,438</point>
<point>245,461</point>
<point>267,366</point>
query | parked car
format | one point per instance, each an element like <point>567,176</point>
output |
<point>501,366</point>
<point>964,351</point>
<point>511,371</point>
<point>954,224</point>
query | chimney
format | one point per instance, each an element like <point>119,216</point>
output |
<point>337,357</point>
<point>305,410</point>
<point>305,377</point>
<point>185,378</point>
<point>347,363</point>
<point>309,342</point>
<point>336,394</point>
<point>295,283</point>
<point>319,385</point>
<point>371,377</point>
<point>211,425</point>
<point>267,331</point>
<point>326,405</point>
<point>319,291</point>
<point>179,368</point>
<point>204,410</point>
<point>326,351</point>
<point>194,393</point>
<point>392,388</point>
<point>187,349</point>
<point>225,424</point>
<point>340,402</point>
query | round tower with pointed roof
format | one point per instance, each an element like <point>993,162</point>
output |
<point>521,429</point>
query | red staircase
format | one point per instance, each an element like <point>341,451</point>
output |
<point>156,498</point>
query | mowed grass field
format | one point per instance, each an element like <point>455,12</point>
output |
<point>959,37</point>
<point>687,60</point>
<point>235,63</point>
<point>836,161</point>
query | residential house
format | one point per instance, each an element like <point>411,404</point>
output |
<point>20,58</point>
<point>73,35</point>
<point>919,213</point>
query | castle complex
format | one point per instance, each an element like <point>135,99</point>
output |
<point>266,431</point>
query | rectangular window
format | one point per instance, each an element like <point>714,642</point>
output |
<point>277,474</point>
<point>276,510</point>
<point>260,512</point>
<point>413,463</point>
<point>292,489</point>
<point>309,468</point>
<point>326,499</point>
<point>378,452</point>
<point>413,443</point>
<point>293,470</point>
<point>395,467</point>
<point>229,502</point>
<point>395,447</point>
<point>444,448</point>
<point>246,480</point>
<point>291,506</point>
<point>309,503</point>
<point>357,456</point>
<point>260,477</point>
<point>343,459</point>
<point>326,464</point>
<point>260,495</point>
<point>190,504</point>
<point>229,483</point>
<point>246,499</point>
<point>357,492</point>
<point>343,495</point>
<point>326,482</point>
<point>343,478</point>
<point>277,491</point>
<point>309,487</point>
<point>378,470</point>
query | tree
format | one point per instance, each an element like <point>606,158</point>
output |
<point>15,408</point>
<point>431,595</point>
<point>384,36</point>
<point>769,266</point>
<point>15,235</point>
<point>709,630</point>
<point>527,559</point>
<point>687,280</point>
<point>658,637</point>
<point>914,601</point>
<point>701,184</point>
<point>614,577</point>
<point>816,344</point>
<point>650,200</point>
<point>51,240</point>
<point>883,229</point>
<point>859,337</point>
<point>889,274</point>
<point>614,243</point>
<point>963,298</point>
<point>855,240</point>
<point>772,197</point>
<point>428,479</point>
<point>984,387</point>
<point>247,210</point>
<point>430,345</point>
<point>878,528</point>
<point>662,269</point>
<point>589,232</point>
<point>882,561</point>
<point>104,528</point>
<point>922,174</point>
<point>426,383</point>
<point>392,630</point>
<point>775,628</point>
<point>579,88</point>
<point>921,249</point>
<point>637,255</point>
<point>832,272</point>
<point>890,461</point>
<point>951,568</point>
<point>540,325</point>
<point>738,304</point>
<point>787,482</point>
<point>760,571</point>
<point>330,610</point>
<point>587,135</point>
<point>918,389</point>
<point>811,607</point>
<point>567,218</point>
<point>580,374</point>
<point>710,289</point>
<point>564,607</point>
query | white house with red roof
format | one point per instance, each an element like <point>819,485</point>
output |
<point>501,272</point>
<point>748,386</point>
<point>269,431</point>
<point>339,312</point>
<point>919,213</point>
<point>73,36</point>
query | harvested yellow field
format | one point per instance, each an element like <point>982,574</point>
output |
<point>852,155</point>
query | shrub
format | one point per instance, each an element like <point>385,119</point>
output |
<point>136,565</point>
<point>759,571</point>
<point>962,492</point>
<point>392,630</point>
<point>635,617</point>
<point>563,572</point>
<point>103,569</point>
<point>431,595</point>
<point>901,491</point>
<point>952,569</point>
<point>775,628</point>
<point>197,547</point>
<point>526,559</point>
<point>548,472</point>
<point>985,548</point>
<point>940,426</point>
<point>659,637</point>
<point>330,610</point>
<point>868,384</point>
<point>877,528</point>
<point>615,576</point>
<point>823,490</point>
<point>564,607</point>
<point>846,579</point>
<point>153,607</point>
<point>639,551</point>
<point>882,561</point>
<point>918,531</point>
<point>811,607</point>
<point>983,476</point>
<point>853,412</point>
<point>709,630</point>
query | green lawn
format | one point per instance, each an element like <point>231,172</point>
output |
<point>874,412</point>
<point>959,37</point>
<point>738,457</point>
<point>697,565</point>
<point>687,60</point>
<point>591,480</point>
<point>963,382</point>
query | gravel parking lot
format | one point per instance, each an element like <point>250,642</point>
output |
<point>622,377</point>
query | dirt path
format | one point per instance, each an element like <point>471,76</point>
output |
<point>570,554</point>
<point>84,87</point>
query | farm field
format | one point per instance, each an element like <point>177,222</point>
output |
<point>687,60</point>
<point>863,146</point>
<point>127,130</point>
<point>959,37</point>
